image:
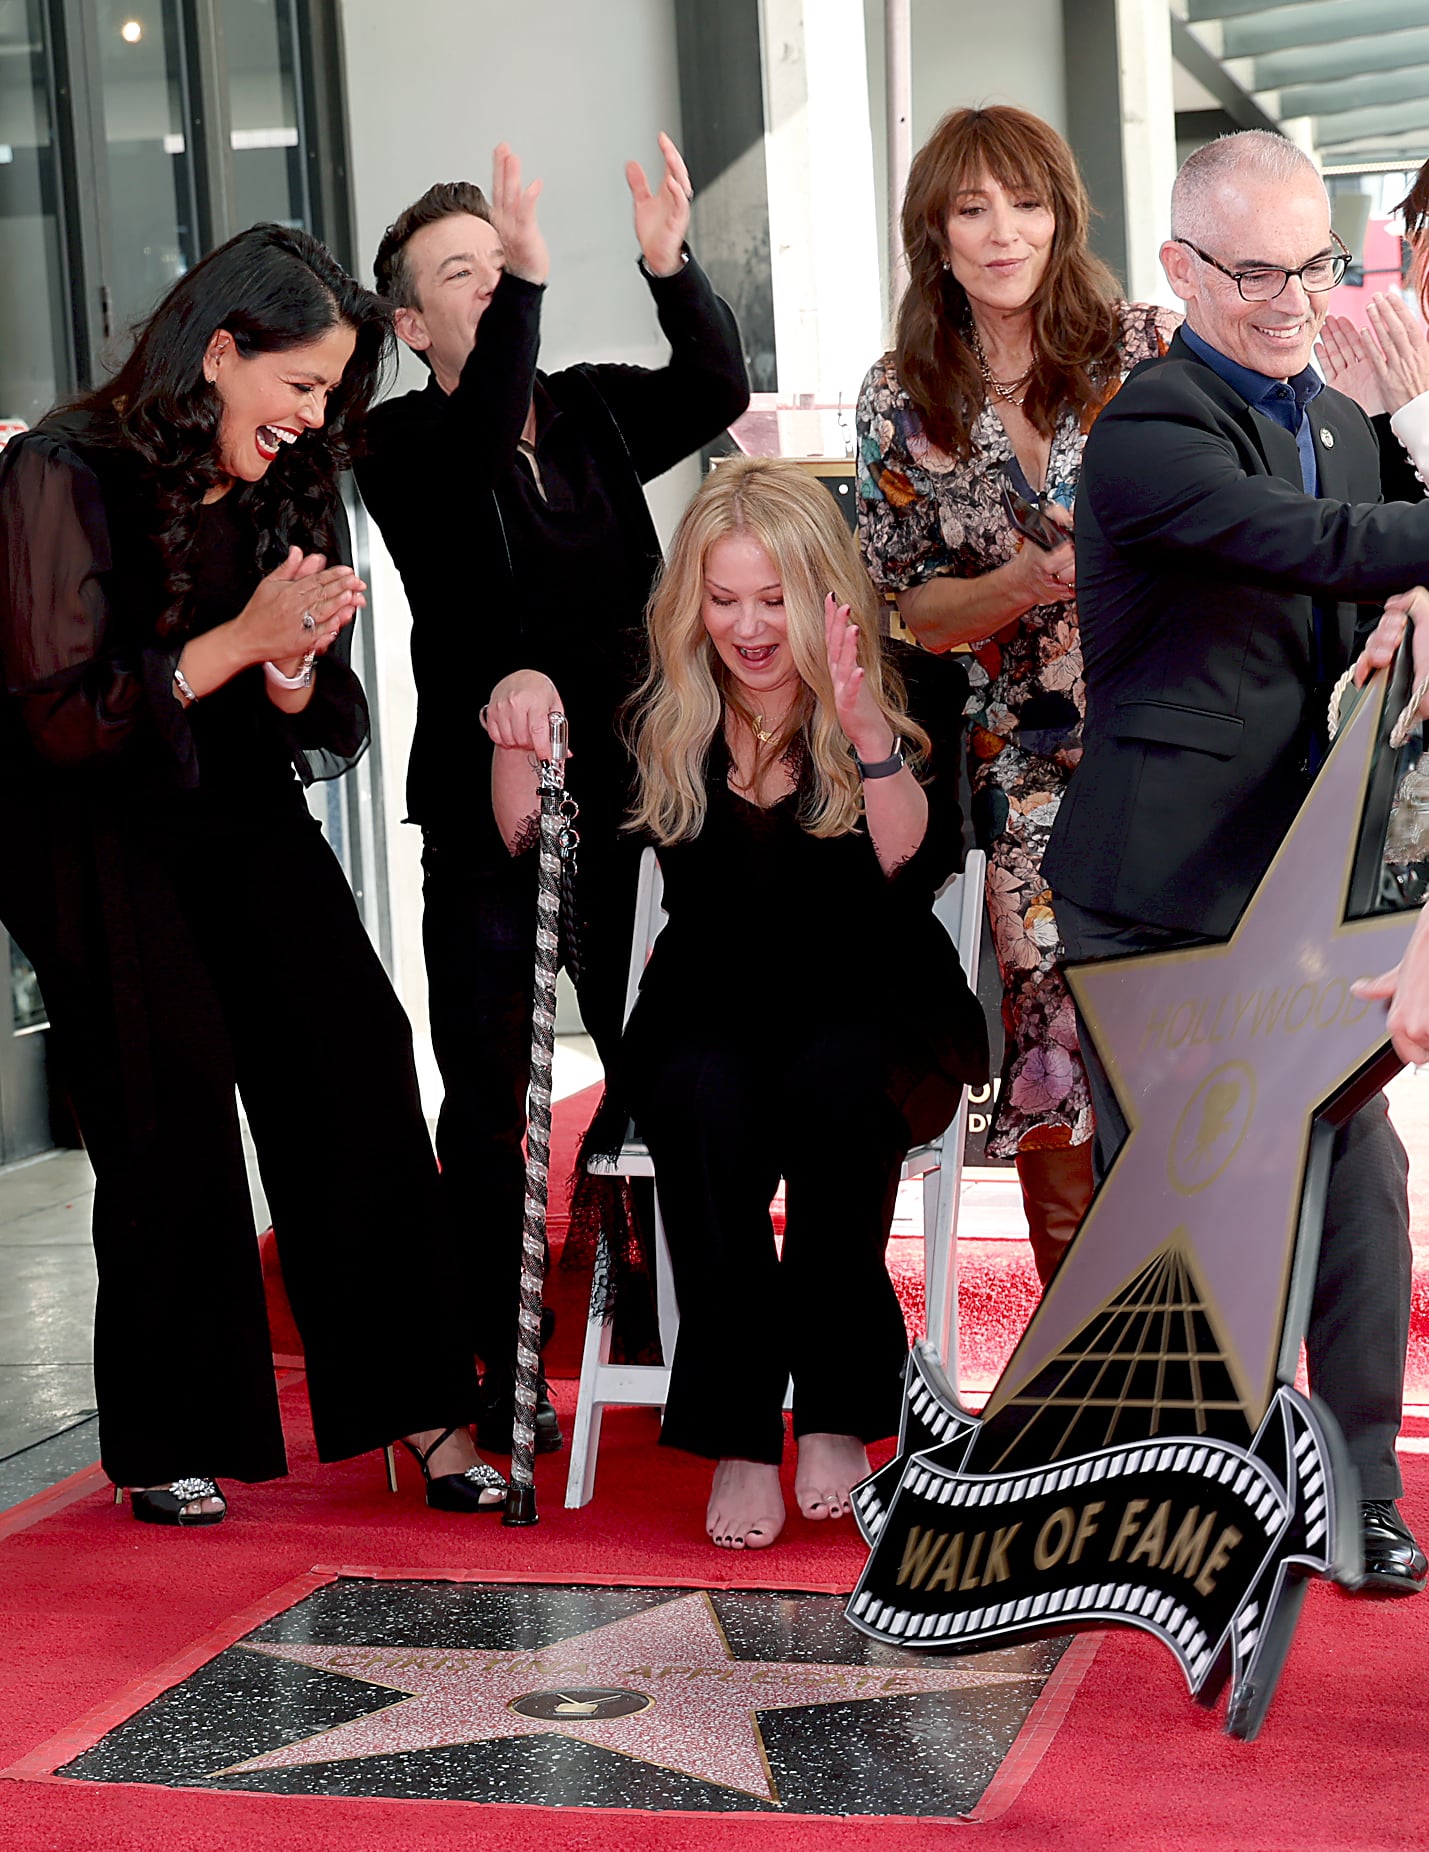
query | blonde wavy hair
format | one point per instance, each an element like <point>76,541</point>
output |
<point>681,703</point>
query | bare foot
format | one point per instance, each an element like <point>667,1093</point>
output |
<point>830,1466</point>
<point>746,1508</point>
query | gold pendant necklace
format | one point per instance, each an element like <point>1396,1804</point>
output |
<point>757,728</point>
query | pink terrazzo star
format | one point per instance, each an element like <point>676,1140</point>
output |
<point>699,1717</point>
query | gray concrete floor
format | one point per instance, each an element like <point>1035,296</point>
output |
<point>47,1425</point>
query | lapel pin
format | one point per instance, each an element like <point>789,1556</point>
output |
<point>1327,437</point>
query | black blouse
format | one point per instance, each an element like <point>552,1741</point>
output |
<point>836,937</point>
<point>88,681</point>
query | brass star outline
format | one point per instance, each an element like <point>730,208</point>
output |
<point>1267,1018</point>
<point>703,1720</point>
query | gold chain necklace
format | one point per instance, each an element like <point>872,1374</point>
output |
<point>1006,389</point>
<point>758,730</point>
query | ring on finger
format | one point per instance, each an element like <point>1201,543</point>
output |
<point>309,621</point>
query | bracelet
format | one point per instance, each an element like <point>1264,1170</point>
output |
<point>276,678</point>
<point>181,682</point>
<point>882,768</point>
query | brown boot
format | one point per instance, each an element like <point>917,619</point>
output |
<point>1056,1189</point>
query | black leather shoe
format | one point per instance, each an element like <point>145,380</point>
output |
<point>1394,1564</point>
<point>495,1413</point>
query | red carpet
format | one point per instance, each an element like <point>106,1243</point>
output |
<point>94,1602</point>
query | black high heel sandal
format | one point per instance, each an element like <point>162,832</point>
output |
<point>459,1491</point>
<point>168,1504</point>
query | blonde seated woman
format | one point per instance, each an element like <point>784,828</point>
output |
<point>803,1014</point>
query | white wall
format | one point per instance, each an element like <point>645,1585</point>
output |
<point>577,89</point>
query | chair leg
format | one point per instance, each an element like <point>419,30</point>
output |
<point>389,1454</point>
<point>666,1305</point>
<point>119,1495</point>
<point>942,1191</point>
<point>585,1435</point>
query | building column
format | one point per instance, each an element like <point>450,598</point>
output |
<point>1121,122</point>
<point>824,232</point>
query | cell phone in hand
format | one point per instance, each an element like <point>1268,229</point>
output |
<point>1032,521</point>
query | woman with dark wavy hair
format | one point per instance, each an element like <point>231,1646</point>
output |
<point>173,633</point>
<point>1010,339</point>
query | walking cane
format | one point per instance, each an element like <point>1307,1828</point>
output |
<point>558,842</point>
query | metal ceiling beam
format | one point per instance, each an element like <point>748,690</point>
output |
<point>1256,32</point>
<point>1313,64</point>
<point>1372,125</point>
<point>1405,151</point>
<point>1372,90</point>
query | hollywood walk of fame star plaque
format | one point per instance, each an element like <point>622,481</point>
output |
<point>735,1701</point>
<point>1145,1458</point>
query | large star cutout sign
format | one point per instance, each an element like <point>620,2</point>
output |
<point>1221,1057</point>
<point>660,1686</point>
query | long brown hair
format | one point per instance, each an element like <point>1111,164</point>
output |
<point>1074,326</point>
<point>1413,209</point>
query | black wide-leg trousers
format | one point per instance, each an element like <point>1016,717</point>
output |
<point>833,1111</point>
<point>177,962</point>
<point>1358,1331</point>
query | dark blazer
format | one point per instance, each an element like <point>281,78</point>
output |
<point>1200,561</point>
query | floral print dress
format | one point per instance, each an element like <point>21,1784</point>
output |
<point>923,514</point>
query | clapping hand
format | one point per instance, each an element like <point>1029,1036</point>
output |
<point>858,712</point>
<point>513,212</point>
<point>1345,360</point>
<point>1400,354</point>
<point>662,218</point>
<point>1382,367</point>
<point>271,625</point>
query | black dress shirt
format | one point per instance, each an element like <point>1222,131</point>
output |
<point>500,576</point>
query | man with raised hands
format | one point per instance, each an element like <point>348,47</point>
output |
<point>513,504</point>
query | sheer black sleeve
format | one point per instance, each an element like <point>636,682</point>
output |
<point>86,692</point>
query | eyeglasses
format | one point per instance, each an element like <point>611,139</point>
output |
<point>1264,284</point>
<point>1030,519</point>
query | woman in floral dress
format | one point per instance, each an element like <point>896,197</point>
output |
<point>1010,340</point>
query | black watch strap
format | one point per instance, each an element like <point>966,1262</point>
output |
<point>882,768</point>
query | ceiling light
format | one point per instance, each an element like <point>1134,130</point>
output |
<point>131,32</point>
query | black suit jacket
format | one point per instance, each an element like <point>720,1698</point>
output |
<point>1200,561</point>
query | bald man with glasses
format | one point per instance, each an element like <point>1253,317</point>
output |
<point>1229,523</point>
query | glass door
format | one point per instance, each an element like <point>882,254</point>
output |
<point>265,113</point>
<point>35,358</point>
<point>148,178</point>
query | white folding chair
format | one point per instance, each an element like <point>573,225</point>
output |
<point>938,1163</point>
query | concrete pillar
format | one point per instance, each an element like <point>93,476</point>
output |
<point>1121,122</point>
<point>824,232</point>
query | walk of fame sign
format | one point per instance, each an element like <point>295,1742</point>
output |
<point>1145,1458</point>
